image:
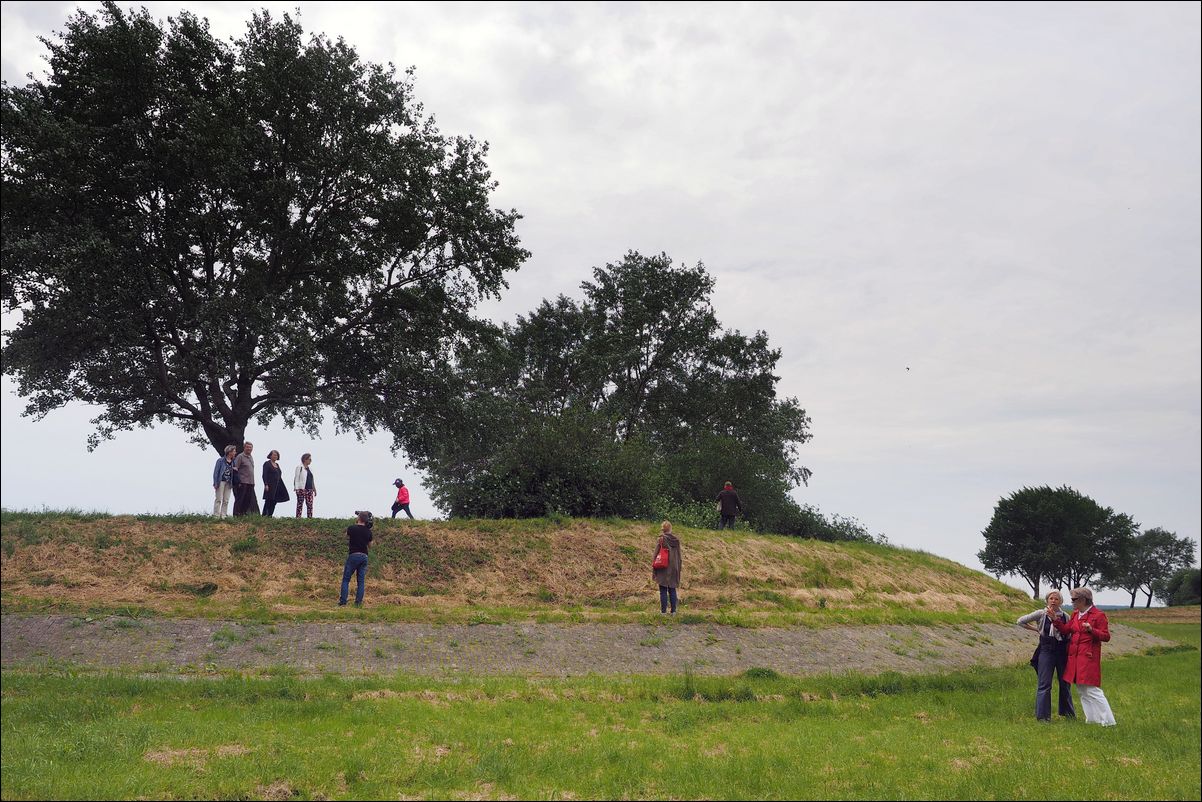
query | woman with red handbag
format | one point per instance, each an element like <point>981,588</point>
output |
<point>666,567</point>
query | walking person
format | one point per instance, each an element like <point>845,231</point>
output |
<point>1050,656</point>
<point>1090,630</point>
<point>667,576</point>
<point>244,490</point>
<point>273,484</point>
<point>402,499</point>
<point>358,536</point>
<point>304,485</point>
<point>223,482</point>
<point>729,506</point>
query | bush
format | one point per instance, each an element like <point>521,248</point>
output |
<point>1183,587</point>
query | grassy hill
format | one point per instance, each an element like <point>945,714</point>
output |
<point>474,571</point>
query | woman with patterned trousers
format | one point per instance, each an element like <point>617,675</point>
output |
<point>304,485</point>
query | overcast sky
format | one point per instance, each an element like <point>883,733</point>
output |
<point>1002,198</point>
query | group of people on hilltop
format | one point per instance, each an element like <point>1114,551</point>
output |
<point>234,476</point>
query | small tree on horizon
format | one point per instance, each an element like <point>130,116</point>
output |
<point>1151,558</point>
<point>1057,534</point>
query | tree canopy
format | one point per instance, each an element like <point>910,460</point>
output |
<point>1183,587</point>
<point>617,403</point>
<point>1054,534</point>
<point>1150,558</point>
<point>206,232</point>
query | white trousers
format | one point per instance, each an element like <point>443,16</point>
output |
<point>1094,705</point>
<point>221,499</point>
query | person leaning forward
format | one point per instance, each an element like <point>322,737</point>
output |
<point>1090,630</point>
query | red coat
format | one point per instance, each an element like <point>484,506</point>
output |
<point>1085,649</point>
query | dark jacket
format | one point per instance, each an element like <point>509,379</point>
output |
<point>729,500</point>
<point>273,485</point>
<point>668,577</point>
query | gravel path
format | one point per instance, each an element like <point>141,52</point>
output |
<point>167,645</point>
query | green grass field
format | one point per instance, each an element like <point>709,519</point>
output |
<point>968,735</point>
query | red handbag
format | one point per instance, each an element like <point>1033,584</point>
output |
<point>661,559</point>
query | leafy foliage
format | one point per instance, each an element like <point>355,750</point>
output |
<point>633,402</point>
<point>1183,587</point>
<point>1152,557</point>
<point>208,233</point>
<point>1055,534</point>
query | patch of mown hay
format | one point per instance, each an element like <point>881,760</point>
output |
<point>429,567</point>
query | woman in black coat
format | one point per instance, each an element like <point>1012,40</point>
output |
<point>273,489</point>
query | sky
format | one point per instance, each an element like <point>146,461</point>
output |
<point>971,229</point>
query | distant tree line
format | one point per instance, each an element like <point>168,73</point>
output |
<point>1066,539</point>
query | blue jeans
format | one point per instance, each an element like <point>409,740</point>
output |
<point>1053,657</point>
<point>664,595</point>
<point>355,564</point>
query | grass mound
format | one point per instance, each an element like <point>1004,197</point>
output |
<point>475,571</point>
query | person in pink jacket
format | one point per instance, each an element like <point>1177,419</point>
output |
<point>402,499</point>
<point>1090,630</point>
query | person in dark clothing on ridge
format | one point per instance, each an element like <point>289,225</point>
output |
<point>358,536</point>
<point>729,507</point>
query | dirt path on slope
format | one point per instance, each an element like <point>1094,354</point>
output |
<point>170,645</point>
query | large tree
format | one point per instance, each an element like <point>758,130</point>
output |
<point>633,395</point>
<point>208,233</point>
<point>1057,534</point>
<point>1150,558</point>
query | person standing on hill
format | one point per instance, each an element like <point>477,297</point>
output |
<point>304,485</point>
<point>402,499</point>
<point>358,536</point>
<point>273,485</point>
<point>729,506</point>
<point>244,490</point>
<point>668,577</point>
<point>1090,630</point>
<point>223,482</point>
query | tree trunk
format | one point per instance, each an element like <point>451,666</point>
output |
<point>221,436</point>
<point>1133,595</point>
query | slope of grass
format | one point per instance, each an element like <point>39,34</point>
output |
<point>968,735</point>
<point>472,571</point>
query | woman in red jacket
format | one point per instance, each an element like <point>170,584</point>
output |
<point>1090,630</point>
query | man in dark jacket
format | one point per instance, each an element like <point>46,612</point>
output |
<point>729,506</point>
<point>358,536</point>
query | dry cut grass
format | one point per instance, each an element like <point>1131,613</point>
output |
<point>427,568</point>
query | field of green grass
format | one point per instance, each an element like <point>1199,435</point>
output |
<point>967,735</point>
